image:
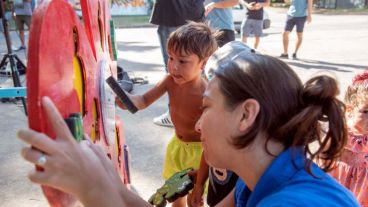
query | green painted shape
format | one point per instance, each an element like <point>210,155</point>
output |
<point>176,186</point>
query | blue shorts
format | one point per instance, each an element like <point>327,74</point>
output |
<point>298,21</point>
<point>251,26</point>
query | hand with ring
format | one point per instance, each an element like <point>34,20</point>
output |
<point>67,165</point>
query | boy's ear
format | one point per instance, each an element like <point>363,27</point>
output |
<point>204,62</point>
<point>250,110</point>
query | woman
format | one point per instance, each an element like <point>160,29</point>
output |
<point>258,121</point>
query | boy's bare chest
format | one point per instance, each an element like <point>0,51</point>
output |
<point>184,101</point>
<point>185,104</point>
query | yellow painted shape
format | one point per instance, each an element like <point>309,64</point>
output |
<point>117,143</point>
<point>78,81</point>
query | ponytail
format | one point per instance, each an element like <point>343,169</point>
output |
<point>321,120</point>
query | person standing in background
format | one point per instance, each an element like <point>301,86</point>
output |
<point>253,22</point>
<point>22,12</point>
<point>300,11</point>
<point>219,17</point>
<point>169,15</point>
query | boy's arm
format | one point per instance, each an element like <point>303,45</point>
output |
<point>309,11</point>
<point>196,197</point>
<point>143,101</point>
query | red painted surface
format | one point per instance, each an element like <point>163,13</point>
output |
<point>50,73</point>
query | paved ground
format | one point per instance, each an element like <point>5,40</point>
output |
<point>333,43</point>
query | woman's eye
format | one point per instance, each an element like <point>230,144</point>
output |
<point>204,107</point>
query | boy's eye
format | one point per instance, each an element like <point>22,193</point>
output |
<point>182,61</point>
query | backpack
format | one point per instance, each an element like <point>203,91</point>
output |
<point>124,80</point>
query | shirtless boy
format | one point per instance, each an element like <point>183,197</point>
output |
<point>189,48</point>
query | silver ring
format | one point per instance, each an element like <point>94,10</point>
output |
<point>42,160</point>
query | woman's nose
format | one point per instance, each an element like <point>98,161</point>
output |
<point>198,126</point>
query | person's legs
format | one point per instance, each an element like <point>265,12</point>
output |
<point>163,34</point>
<point>20,26</point>
<point>285,41</point>
<point>245,30</point>
<point>300,22</point>
<point>285,35</point>
<point>298,42</point>
<point>256,42</point>
<point>21,35</point>
<point>257,30</point>
<point>244,39</point>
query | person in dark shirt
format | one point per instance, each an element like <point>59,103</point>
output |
<point>253,22</point>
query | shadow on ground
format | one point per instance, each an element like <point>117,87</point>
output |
<point>323,65</point>
<point>138,66</point>
<point>134,46</point>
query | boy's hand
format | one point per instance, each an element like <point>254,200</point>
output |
<point>120,104</point>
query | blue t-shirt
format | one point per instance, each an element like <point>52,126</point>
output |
<point>298,8</point>
<point>220,18</point>
<point>288,184</point>
<point>255,14</point>
<point>22,8</point>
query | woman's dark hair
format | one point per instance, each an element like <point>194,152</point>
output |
<point>290,113</point>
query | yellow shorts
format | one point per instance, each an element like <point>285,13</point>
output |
<point>180,156</point>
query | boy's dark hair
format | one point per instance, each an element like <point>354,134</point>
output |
<point>193,38</point>
<point>290,113</point>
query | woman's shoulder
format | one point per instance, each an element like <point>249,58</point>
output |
<point>304,193</point>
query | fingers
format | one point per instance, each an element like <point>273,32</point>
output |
<point>193,175</point>
<point>34,156</point>
<point>39,177</point>
<point>209,8</point>
<point>57,121</point>
<point>99,152</point>
<point>37,140</point>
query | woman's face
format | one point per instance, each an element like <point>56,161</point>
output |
<point>217,125</point>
